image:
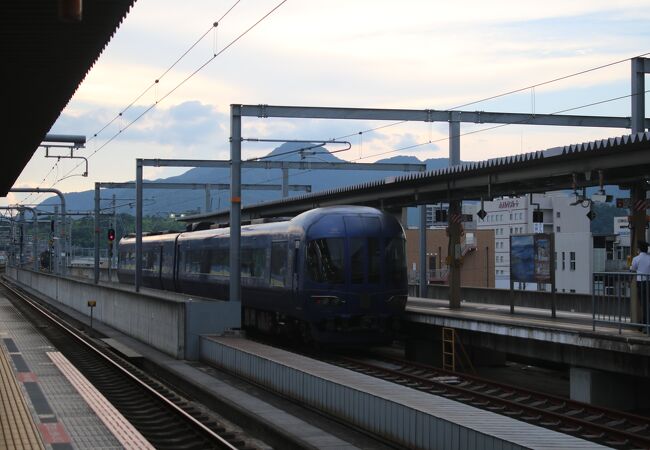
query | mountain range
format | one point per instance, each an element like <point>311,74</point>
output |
<point>163,202</point>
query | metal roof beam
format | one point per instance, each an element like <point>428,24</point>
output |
<point>431,115</point>
<point>213,186</point>
<point>298,165</point>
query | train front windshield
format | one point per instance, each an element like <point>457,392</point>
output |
<point>325,260</point>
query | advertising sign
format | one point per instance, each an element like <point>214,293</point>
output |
<point>531,258</point>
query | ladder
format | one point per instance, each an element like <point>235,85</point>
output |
<point>449,349</point>
<point>449,341</point>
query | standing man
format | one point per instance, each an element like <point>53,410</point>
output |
<point>641,265</point>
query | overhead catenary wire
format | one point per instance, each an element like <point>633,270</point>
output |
<point>161,76</point>
<point>504,94</point>
<point>181,83</point>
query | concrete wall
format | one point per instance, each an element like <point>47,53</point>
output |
<point>531,299</point>
<point>167,321</point>
<point>89,273</point>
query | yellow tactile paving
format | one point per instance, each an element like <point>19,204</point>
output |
<point>17,427</point>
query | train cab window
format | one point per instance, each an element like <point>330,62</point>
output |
<point>325,259</point>
<point>278,263</point>
<point>395,260</point>
<point>357,258</point>
<point>374,261</point>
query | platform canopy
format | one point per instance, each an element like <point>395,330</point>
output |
<point>46,50</point>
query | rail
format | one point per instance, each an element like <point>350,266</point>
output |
<point>615,296</point>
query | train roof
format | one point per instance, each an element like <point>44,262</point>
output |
<point>299,223</point>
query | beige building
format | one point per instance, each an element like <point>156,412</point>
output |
<point>478,257</point>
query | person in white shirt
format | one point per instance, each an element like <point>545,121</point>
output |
<point>641,265</point>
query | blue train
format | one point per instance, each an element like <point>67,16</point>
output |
<point>329,275</point>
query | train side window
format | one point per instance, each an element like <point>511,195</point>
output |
<point>374,261</point>
<point>325,259</point>
<point>253,262</point>
<point>220,262</point>
<point>357,257</point>
<point>278,263</point>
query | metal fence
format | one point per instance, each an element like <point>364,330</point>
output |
<point>611,299</point>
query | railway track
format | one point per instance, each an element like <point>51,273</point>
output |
<point>165,419</point>
<point>609,427</point>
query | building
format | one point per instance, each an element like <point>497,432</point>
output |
<point>555,213</point>
<point>477,269</point>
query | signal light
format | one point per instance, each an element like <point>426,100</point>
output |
<point>111,234</point>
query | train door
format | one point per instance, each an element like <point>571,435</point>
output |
<point>295,272</point>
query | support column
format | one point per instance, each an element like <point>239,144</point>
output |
<point>597,387</point>
<point>235,204</point>
<point>454,252</point>
<point>57,243</point>
<point>35,240</point>
<point>96,236</point>
<point>285,182</point>
<point>639,67</point>
<point>21,237</point>
<point>138,224</point>
<point>637,233</point>
<point>208,199</point>
<point>423,251</point>
<point>454,138</point>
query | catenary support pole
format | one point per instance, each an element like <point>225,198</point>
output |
<point>235,203</point>
<point>96,235</point>
<point>423,251</point>
<point>639,68</point>
<point>138,225</point>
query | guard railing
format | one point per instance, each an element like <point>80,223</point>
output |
<point>611,300</point>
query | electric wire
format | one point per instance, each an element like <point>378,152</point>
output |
<point>181,83</point>
<point>503,94</point>
<point>161,76</point>
<point>154,83</point>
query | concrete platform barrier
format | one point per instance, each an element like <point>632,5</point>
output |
<point>167,321</point>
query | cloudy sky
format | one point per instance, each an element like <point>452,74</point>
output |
<point>379,54</point>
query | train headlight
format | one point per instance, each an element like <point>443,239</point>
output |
<point>327,300</point>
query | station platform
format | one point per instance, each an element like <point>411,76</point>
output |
<point>46,403</point>
<point>523,316</point>
<point>608,366</point>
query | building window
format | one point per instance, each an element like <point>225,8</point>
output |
<point>572,260</point>
<point>563,262</point>
<point>557,214</point>
<point>557,229</point>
